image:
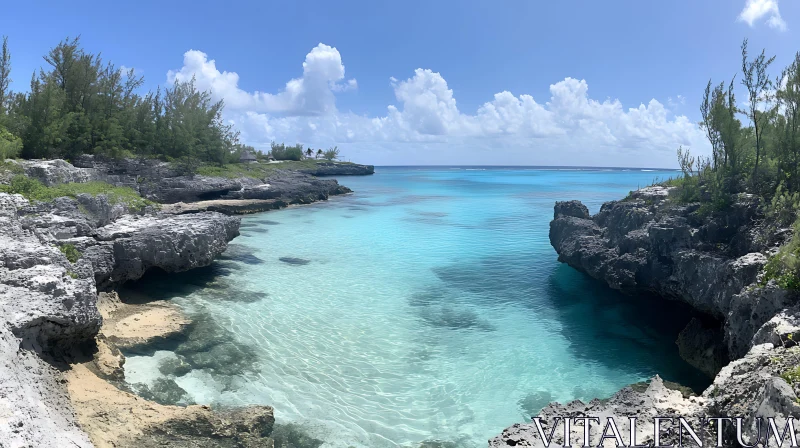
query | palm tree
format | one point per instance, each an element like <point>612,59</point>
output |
<point>308,152</point>
<point>319,153</point>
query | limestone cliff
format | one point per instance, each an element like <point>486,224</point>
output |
<point>646,244</point>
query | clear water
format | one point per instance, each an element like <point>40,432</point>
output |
<point>429,305</point>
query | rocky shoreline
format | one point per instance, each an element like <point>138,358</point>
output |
<point>63,326</point>
<point>647,245</point>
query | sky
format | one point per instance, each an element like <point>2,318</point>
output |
<point>472,82</point>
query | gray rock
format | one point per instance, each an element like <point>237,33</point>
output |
<point>702,346</point>
<point>174,243</point>
<point>571,208</point>
<point>644,244</point>
<point>291,187</point>
<point>54,172</point>
<point>783,330</point>
<point>655,399</point>
<point>48,305</point>
<point>749,387</point>
<point>324,168</point>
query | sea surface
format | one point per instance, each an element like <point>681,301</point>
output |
<point>428,305</point>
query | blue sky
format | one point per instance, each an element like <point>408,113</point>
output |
<point>572,70</point>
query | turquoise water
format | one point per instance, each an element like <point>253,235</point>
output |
<point>429,305</point>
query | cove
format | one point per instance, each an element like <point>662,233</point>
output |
<point>427,306</point>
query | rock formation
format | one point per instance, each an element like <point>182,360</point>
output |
<point>161,182</point>
<point>644,245</point>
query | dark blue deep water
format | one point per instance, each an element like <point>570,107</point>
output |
<point>427,305</point>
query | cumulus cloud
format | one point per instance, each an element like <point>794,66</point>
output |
<point>425,125</point>
<point>756,10</point>
<point>312,94</point>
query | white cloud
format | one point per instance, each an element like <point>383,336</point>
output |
<point>125,70</point>
<point>426,125</point>
<point>312,94</point>
<point>677,102</point>
<point>755,10</point>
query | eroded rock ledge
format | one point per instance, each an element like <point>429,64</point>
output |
<point>50,320</point>
<point>56,358</point>
<point>645,244</point>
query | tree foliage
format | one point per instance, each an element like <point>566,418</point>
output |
<point>283,152</point>
<point>80,104</point>
<point>331,153</point>
<point>755,149</point>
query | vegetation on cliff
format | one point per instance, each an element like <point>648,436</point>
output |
<point>33,190</point>
<point>79,104</point>
<point>761,155</point>
<point>755,150</point>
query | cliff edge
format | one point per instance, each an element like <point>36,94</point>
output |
<point>648,245</point>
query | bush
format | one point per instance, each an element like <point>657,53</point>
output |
<point>283,152</point>
<point>784,266</point>
<point>783,208</point>
<point>33,190</point>
<point>71,252</point>
<point>332,153</point>
<point>10,145</point>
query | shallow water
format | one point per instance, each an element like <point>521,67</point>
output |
<point>429,305</point>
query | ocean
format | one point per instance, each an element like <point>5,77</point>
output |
<point>427,306</point>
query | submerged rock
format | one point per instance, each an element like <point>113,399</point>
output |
<point>176,366</point>
<point>295,261</point>
<point>163,391</point>
<point>291,435</point>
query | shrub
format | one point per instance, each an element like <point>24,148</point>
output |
<point>283,152</point>
<point>33,190</point>
<point>10,145</point>
<point>783,208</point>
<point>71,252</point>
<point>332,153</point>
<point>784,266</point>
<point>792,375</point>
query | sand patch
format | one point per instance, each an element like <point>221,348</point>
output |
<point>114,418</point>
<point>127,325</point>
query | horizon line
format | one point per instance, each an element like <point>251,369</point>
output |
<point>532,166</point>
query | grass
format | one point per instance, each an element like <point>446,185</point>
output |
<point>71,252</point>
<point>11,167</point>
<point>33,190</point>
<point>257,170</point>
<point>792,375</point>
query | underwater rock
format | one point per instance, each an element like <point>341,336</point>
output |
<point>162,391</point>
<point>174,366</point>
<point>291,435</point>
<point>454,319</point>
<point>207,345</point>
<point>534,402</point>
<point>295,261</point>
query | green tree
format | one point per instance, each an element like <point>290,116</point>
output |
<point>332,153</point>
<point>758,83</point>
<point>5,74</point>
<point>787,122</point>
<point>10,145</point>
